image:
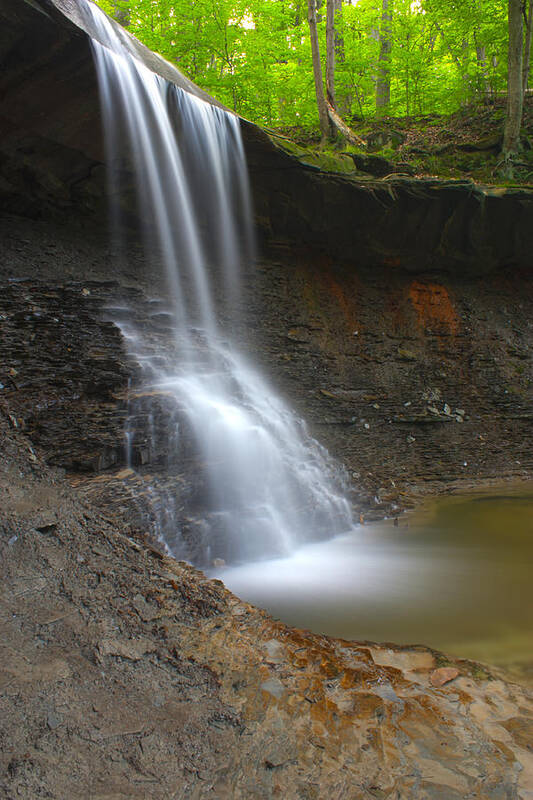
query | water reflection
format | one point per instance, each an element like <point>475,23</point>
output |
<point>458,578</point>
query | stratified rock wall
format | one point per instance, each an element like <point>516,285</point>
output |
<point>395,314</point>
<point>419,225</point>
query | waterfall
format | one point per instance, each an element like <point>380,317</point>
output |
<point>266,485</point>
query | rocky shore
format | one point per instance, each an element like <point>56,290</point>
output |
<point>126,674</point>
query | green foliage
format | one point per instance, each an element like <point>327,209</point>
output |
<point>255,57</point>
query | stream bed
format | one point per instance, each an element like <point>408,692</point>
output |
<point>455,575</point>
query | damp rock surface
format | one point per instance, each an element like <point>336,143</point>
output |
<point>124,672</point>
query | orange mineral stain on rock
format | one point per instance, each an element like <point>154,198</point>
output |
<point>439,677</point>
<point>345,303</point>
<point>434,309</point>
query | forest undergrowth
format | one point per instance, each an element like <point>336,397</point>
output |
<point>463,145</point>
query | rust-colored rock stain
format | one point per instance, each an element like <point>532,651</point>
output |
<point>434,309</point>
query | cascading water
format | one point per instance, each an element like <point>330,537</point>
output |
<point>266,485</point>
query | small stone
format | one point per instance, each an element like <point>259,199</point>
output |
<point>53,721</point>
<point>274,687</point>
<point>46,522</point>
<point>411,439</point>
<point>447,410</point>
<point>443,675</point>
<point>85,292</point>
<point>145,610</point>
<point>132,649</point>
<point>275,651</point>
<point>406,355</point>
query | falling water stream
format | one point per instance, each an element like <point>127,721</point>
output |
<point>268,484</point>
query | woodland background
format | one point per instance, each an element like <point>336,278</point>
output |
<point>255,55</point>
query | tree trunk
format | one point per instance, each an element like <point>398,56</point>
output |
<point>343,128</point>
<point>481,55</point>
<point>527,47</point>
<point>385,38</point>
<point>317,71</point>
<point>330,52</point>
<point>515,93</point>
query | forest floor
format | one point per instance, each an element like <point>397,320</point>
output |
<point>462,145</point>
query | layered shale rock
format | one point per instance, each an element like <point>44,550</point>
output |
<point>386,306</point>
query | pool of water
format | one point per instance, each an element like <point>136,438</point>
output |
<point>456,575</point>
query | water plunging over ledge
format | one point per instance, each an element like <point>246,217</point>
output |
<point>266,485</point>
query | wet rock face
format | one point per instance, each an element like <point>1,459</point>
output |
<point>51,143</point>
<point>399,223</point>
<point>64,373</point>
<point>408,379</point>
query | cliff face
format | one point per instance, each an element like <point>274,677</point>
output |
<point>52,156</point>
<point>395,313</point>
<point>418,225</point>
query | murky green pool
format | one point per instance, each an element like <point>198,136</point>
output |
<point>457,576</point>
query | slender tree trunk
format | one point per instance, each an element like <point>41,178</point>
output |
<point>527,47</point>
<point>338,123</point>
<point>317,71</point>
<point>385,38</point>
<point>330,52</point>
<point>481,55</point>
<point>328,116</point>
<point>515,92</point>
